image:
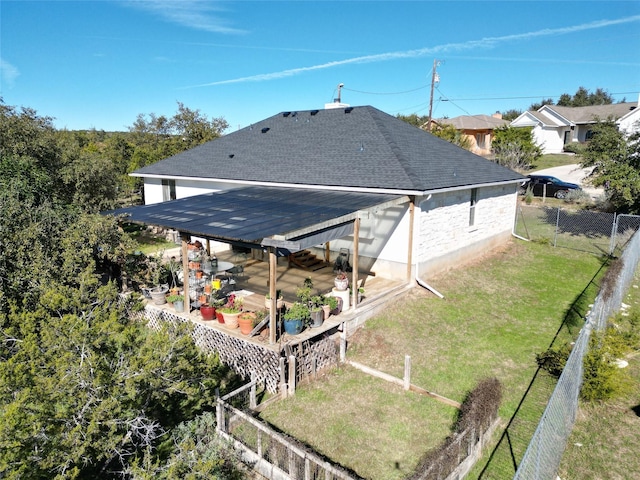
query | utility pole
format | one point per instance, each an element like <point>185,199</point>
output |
<point>434,79</point>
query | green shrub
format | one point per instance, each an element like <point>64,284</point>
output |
<point>577,196</point>
<point>554,359</point>
<point>602,378</point>
<point>574,147</point>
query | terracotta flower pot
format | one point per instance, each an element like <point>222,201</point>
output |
<point>220,316</point>
<point>245,321</point>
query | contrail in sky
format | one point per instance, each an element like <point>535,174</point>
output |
<point>487,42</point>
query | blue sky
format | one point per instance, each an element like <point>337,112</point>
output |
<point>98,64</point>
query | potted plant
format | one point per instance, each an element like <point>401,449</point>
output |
<point>316,313</point>
<point>334,304</point>
<point>177,301</point>
<point>295,318</point>
<point>279,300</point>
<point>304,292</point>
<point>341,281</point>
<point>208,311</point>
<point>246,321</point>
<point>231,310</point>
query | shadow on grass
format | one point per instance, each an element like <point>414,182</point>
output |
<point>574,317</point>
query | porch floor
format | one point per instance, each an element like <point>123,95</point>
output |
<point>252,285</point>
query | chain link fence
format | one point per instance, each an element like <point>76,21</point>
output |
<point>600,233</point>
<point>544,453</point>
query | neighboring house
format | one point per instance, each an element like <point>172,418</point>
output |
<point>478,129</point>
<point>553,127</point>
<point>406,201</point>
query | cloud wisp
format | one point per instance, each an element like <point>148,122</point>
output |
<point>484,43</point>
<point>195,14</point>
<point>8,73</point>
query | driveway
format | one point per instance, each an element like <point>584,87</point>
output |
<point>574,174</point>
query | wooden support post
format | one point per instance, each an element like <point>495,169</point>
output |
<point>292,375</point>
<point>354,276</point>
<point>407,372</point>
<point>327,252</point>
<point>185,275</point>
<point>273,322</point>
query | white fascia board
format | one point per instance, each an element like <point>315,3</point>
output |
<point>394,191</point>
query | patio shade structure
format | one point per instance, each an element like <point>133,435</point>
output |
<point>280,220</point>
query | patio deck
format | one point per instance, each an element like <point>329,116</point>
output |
<point>252,285</point>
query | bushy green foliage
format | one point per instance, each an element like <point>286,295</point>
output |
<point>197,452</point>
<point>514,147</point>
<point>603,379</point>
<point>577,196</point>
<point>452,135</point>
<point>574,147</point>
<point>84,389</point>
<point>616,161</point>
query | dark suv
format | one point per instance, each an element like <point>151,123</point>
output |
<point>554,186</point>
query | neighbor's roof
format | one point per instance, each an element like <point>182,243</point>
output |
<point>354,147</point>
<point>474,122</point>
<point>592,113</point>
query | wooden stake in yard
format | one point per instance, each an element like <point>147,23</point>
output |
<point>407,372</point>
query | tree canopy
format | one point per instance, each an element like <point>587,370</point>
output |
<point>514,147</point>
<point>615,159</point>
<point>582,98</point>
<point>86,389</point>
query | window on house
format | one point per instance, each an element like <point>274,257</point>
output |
<point>481,140</point>
<point>168,190</point>
<point>472,208</point>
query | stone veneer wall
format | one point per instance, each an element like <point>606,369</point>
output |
<point>445,238</point>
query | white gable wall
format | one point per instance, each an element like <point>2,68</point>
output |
<point>630,123</point>
<point>443,237</point>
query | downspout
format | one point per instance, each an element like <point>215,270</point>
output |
<point>420,282</point>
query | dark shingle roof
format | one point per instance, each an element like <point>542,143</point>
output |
<point>357,147</point>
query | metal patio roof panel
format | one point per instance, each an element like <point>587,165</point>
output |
<point>249,214</point>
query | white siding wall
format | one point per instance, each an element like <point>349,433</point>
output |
<point>184,189</point>
<point>630,123</point>
<point>442,235</point>
<point>549,139</point>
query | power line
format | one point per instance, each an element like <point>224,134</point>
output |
<point>386,93</point>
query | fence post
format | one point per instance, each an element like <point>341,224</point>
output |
<point>292,374</point>
<point>614,233</point>
<point>219,412</point>
<point>252,392</point>
<point>407,372</point>
<point>555,235</point>
<point>283,383</point>
<point>343,344</point>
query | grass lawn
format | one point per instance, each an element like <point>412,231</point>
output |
<point>551,160</point>
<point>605,437</point>
<point>148,243</point>
<point>496,315</point>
